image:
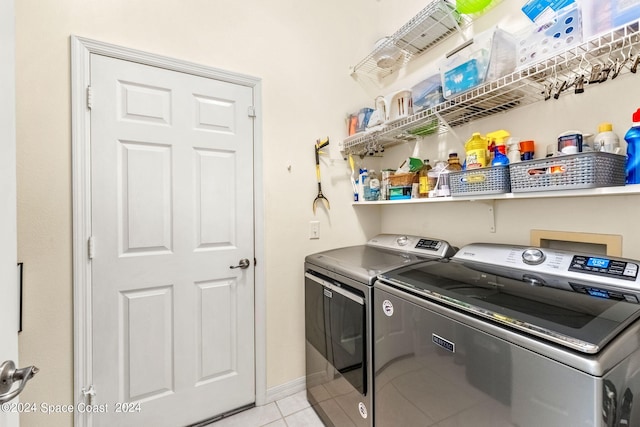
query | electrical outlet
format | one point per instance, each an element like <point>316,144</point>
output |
<point>314,229</point>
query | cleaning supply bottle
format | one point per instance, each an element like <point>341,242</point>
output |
<point>527,150</point>
<point>372,187</point>
<point>491,145</point>
<point>454,163</point>
<point>361,183</point>
<point>476,152</point>
<point>354,179</point>
<point>499,159</point>
<point>497,141</point>
<point>439,180</point>
<point>606,139</point>
<point>415,183</point>
<point>423,180</point>
<point>633,150</point>
<point>513,150</point>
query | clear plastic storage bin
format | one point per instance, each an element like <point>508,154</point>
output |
<point>562,30</point>
<point>427,93</point>
<point>486,57</point>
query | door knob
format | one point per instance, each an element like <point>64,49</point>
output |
<point>243,263</point>
<point>9,374</point>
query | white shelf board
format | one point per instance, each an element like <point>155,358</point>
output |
<point>587,192</point>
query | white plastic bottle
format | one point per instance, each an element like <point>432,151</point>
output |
<point>513,150</point>
<point>361,184</point>
<point>606,139</point>
<point>372,188</point>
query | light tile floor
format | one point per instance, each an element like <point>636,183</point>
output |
<point>292,411</point>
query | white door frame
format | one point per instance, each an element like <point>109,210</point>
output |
<point>8,212</point>
<point>81,50</point>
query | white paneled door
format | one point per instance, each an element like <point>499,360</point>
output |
<point>8,285</point>
<point>172,211</point>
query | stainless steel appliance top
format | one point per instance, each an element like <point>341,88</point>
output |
<point>380,254</point>
<point>526,288</point>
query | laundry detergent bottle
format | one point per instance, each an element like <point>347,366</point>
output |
<point>476,152</point>
<point>633,150</point>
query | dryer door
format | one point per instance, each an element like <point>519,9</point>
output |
<point>336,327</point>
<point>347,331</point>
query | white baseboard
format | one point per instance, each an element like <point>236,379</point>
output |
<point>285,390</point>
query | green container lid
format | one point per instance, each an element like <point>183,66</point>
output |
<point>471,6</point>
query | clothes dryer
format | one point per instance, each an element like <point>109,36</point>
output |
<point>338,321</point>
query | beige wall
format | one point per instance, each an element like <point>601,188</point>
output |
<point>467,222</point>
<point>302,52</point>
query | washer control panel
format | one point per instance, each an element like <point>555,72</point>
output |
<point>428,244</point>
<point>595,275</point>
<point>604,266</point>
<point>417,245</point>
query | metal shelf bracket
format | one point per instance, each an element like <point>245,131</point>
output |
<point>490,210</point>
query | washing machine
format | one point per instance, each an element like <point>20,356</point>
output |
<point>338,321</point>
<point>503,335</point>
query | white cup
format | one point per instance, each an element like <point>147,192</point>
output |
<point>379,115</point>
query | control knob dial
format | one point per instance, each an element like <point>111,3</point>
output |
<point>533,256</point>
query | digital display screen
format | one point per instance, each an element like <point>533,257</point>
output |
<point>598,262</point>
<point>598,293</point>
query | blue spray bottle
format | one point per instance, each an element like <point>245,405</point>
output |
<point>633,150</point>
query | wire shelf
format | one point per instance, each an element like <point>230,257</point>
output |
<point>597,60</point>
<point>433,24</point>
